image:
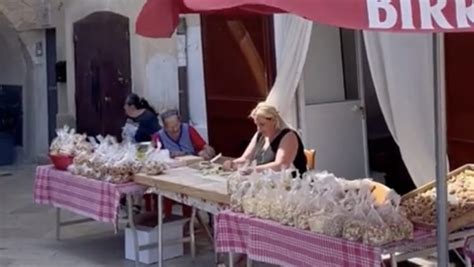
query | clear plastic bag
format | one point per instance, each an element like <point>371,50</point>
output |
<point>249,202</point>
<point>304,207</point>
<point>156,161</point>
<point>377,232</point>
<point>400,227</point>
<point>236,197</point>
<point>328,218</point>
<point>264,200</point>
<point>356,225</point>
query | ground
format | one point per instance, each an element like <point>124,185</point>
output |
<point>27,234</point>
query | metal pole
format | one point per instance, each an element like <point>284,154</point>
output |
<point>359,46</point>
<point>440,150</point>
<point>160,229</point>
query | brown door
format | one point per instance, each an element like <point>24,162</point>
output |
<point>102,70</point>
<point>459,56</point>
<point>239,69</point>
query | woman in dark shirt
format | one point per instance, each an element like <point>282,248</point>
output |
<point>140,112</point>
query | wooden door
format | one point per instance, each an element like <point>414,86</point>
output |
<point>459,57</point>
<point>239,69</point>
<point>102,69</point>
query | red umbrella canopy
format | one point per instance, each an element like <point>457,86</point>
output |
<point>159,18</point>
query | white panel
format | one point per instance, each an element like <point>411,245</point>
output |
<point>196,89</point>
<point>334,130</point>
<point>323,72</point>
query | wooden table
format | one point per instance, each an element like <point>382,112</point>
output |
<point>188,183</point>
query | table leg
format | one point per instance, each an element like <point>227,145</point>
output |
<point>160,230</point>
<point>58,224</point>
<point>192,235</point>
<point>231,259</point>
<point>393,260</point>
<point>205,227</point>
<point>131,223</point>
<point>467,260</point>
<point>249,262</point>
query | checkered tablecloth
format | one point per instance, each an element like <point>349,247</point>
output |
<point>87,197</point>
<point>273,243</point>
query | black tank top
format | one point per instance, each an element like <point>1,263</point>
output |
<point>299,162</point>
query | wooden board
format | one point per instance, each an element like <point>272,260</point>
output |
<point>188,181</point>
<point>189,159</point>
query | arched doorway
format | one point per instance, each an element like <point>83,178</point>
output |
<point>102,71</point>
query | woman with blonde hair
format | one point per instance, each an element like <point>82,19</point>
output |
<point>275,145</point>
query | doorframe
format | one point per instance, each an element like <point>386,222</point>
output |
<point>51,88</point>
<point>359,46</point>
<point>301,101</point>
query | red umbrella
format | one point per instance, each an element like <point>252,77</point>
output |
<point>389,15</point>
<point>159,18</point>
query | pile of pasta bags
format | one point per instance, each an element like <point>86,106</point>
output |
<point>321,203</point>
<point>69,143</point>
<point>117,162</point>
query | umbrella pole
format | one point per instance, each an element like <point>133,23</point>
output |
<point>440,149</point>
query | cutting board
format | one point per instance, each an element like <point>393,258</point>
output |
<point>185,180</point>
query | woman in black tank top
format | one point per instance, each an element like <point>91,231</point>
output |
<point>274,146</point>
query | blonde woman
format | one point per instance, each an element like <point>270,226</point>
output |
<point>275,146</point>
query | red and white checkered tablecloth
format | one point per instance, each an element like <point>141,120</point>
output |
<point>87,197</point>
<point>273,243</point>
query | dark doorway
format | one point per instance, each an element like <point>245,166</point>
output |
<point>102,70</point>
<point>239,69</point>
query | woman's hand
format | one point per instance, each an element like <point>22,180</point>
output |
<point>227,165</point>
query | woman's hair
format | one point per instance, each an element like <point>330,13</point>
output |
<point>168,113</point>
<point>139,103</point>
<point>269,112</point>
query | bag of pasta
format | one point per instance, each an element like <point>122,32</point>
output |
<point>249,201</point>
<point>329,219</point>
<point>304,206</point>
<point>377,232</point>
<point>236,198</point>
<point>356,224</point>
<point>400,227</point>
<point>290,203</point>
<point>280,195</point>
<point>265,200</point>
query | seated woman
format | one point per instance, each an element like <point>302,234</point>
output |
<point>141,113</point>
<point>275,146</point>
<point>181,138</point>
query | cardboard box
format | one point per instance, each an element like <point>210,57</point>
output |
<point>172,230</point>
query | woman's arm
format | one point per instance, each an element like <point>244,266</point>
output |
<point>246,156</point>
<point>285,155</point>
<point>249,151</point>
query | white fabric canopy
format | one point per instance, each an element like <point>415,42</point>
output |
<point>292,57</point>
<point>402,70</point>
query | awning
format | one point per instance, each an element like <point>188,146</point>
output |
<point>159,18</point>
